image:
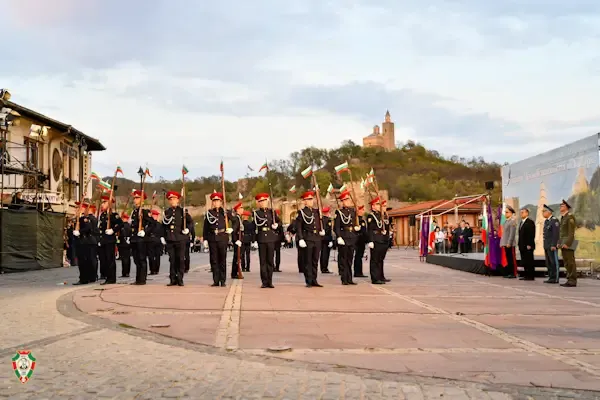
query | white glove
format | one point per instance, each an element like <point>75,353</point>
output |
<point>205,244</point>
<point>163,241</point>
<point>340,241</point>
<point>99,244</point>
<point>330,244</point>
<point>255,245</point>
<point>302,243</point>
<point>322,233</point>
<point>228,230</point>
<point>185,231</point>
<point>141,233</point>
<point>76,233</point>
<point>357,228</point>
<point>109,231</point>
<point>191,245</point>
<point>371,245</point>
<point>127,240</point>
<point>238,243</point>
<point>274,226</point>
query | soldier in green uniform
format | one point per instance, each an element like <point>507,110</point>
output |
<point>566,241</point>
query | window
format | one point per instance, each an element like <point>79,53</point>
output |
<point>31,153</point>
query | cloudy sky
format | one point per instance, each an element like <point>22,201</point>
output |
<point>193,81</point>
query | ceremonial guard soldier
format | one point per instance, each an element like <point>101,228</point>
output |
<point>140,218</point>
<point>81,234</point>
<point>192,238</point>
<point>124,238</point>
<point>154,233</point>
<point>346,227</point>
<point>327,241</point>
<point>551,235</point>
<point>248,240</point>
<point>310,237</point>
<point>236,237</point>
<point>266,222</point>
<point>281,236</point>
<point>378,241</point>
<point>176,233</point>
<point>216,238</point>
<point>93,242</point>
<point>567,243</point>
<point>109,224</point>
<point>293,231</point>
<point>361,241</point>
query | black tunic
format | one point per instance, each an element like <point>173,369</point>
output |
<point>214,226</point>
<point>173,225</point>
<point>263,219</point>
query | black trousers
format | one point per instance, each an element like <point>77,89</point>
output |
<point>139,252</point>
<point>325,252</point>
<point>108,263</point>
<point>236,257</point>
<point>345,254</point>
<point>527,262</point>
<point>358,258</point>
<point>376,261</point>
<point>245,256</point>
<point>266,256</point>
<point>217,252</point>
<point>93,257</point>
<point>301,258</point>
<point>552,264</point>
<point>154,249</point>
<point>311,265</point>
<point>187,256</point>
<point>511,259</point>
<point>84,263</point>
<point>176,252</point>
<point>125,256</point>
<point>277,249</point>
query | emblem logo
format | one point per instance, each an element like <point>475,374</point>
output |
<point>23,364</point>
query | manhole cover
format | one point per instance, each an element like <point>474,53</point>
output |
<point>279,349</point>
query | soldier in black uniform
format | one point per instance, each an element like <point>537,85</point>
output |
<point>310,237</point>
<point>176,233</point>
<point>124,238</point>
<point>301,252</point>
<point>93,243</point>
<point>81,236</point>
<point>138,244</point>
<point>278,244</point>
<point>361,241</point>
<point>266,222</point>
<point>327,241</point>
<point>216,238</point>
<point>192,238</point>
<point>108,240</point>
<point>378,241</point>
<point>237,237</point>
<point>347,228</point>
<point>154,233</point>
<point>248,240</point>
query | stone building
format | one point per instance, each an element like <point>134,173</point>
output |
<point>382,138</point>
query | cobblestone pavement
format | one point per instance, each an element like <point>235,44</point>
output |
<point>84,357</point>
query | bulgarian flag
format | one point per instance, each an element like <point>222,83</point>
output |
<point>95,176</point>
<point>264,167</point>
<point>221,166</point>
<point>293,189</point>
<point>307,172</point>
<point>119,170</point>
<point>371,174</point>
<point>341,168</point>
<point>502,218</point>
<point>147,172</point>
<point>184,170</point>
<point>343,188</point>
<point>330,188</point>
<point>104,185</point>
<point>363,184</point>
<point>484,235</point>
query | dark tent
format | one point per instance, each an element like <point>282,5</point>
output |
<point>31,239</point>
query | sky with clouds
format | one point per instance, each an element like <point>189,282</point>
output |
<point>171,82</point>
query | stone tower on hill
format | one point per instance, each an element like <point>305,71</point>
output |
<point>383,138</point>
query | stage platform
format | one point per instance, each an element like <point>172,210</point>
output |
<point>473,262</point>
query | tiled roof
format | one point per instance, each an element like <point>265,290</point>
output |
<point>423,206</point>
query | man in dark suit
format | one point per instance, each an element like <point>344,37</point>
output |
<point>527,245</point>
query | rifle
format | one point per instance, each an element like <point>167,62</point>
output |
<point>110,198</point>
<point>318,202</point>
<point>140,216</point>
<point>239,251</point>
<point>224,200</point>
<point>78,213</point>
<point>352,197</point>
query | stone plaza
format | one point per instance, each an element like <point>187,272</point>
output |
<point>430,333</point>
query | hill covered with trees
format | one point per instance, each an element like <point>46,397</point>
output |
<point>410,173</point>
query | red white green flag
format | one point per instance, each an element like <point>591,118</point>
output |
<point>341,168</point>
<point>95,176</point>
<point>264,167</point>
<point>307,172</point>
<point>119,170</point>
<point>184,170</point>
